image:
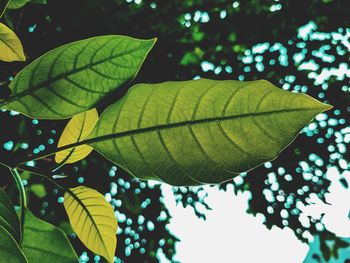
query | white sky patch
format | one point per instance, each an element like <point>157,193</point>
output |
<point>229,233</point>
<point>336,218</point>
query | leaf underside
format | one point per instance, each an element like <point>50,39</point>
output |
<point>76,77</point>
<point>200,131</point>
<point>92,219</point>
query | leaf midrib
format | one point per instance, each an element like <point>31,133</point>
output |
<point>13,50</point>
<point>75,196</point>
<point>189,122</point>
<point>66,74</point>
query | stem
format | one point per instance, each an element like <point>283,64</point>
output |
<point>20,186</point>
<point>22,196</point>
<point>53,151</point>
<point>41,174</point>
<point>6,165</point>
<point>61,164</point>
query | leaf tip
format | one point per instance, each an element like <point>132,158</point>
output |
<point>153,41</point>
<point>22,58</point>
<point>327,107</point>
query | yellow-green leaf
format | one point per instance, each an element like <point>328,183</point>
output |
<point>10,46</point>
<point>200,131</point>
<point>92,219</point>
<point>77,129</point>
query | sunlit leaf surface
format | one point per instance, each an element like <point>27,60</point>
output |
<point>77,129</point>
<point>10,46</point>
<point>77,76</point>
<point>93,220</point>
<point>201,131</point>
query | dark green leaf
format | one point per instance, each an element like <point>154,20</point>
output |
<point>76,77</point>
<point>43,2</point>
<point>9,250</point>
<point>201,131</point>
<point>45,243</point>
<point>16,4</point>
<point>8,217</point>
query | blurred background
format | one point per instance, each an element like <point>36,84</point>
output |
<point>293,209</point>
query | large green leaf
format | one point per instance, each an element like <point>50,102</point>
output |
<point>93,219</point>
<point>45,243</point>
<point>8,217</point>
<point>9,250</point>
<point>200,131</point>
<point>76,77</point>
<point>3,5</point>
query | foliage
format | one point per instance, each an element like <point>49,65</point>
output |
<point>69,88</point>
<point>196,40</point>
<point>200,131</point>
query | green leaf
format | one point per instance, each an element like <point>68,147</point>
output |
<point>45,243</point>
<point>43,2</point>
<point>8,217</point>
<point>93,220</point>
<point>76,77</point>
<point>77,129</point>
<point>39,190</point>
<point>9,250</point>
<point>16,4</point>
<point>3,6</point>
<point>10,46</point>
<point>200,131</point>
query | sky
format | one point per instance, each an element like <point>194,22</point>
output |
<point>229,233</point>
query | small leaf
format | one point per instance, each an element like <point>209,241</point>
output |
<point>10,46</point>
<point>77,129</point>
<point>8,217</point>
<point>9,250</point>
<point>3,6</point>
<point>38,189</point>
<point>76,77</point>
<point>45,243</point>
<point>200,131</point>
<point>93,220</point>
